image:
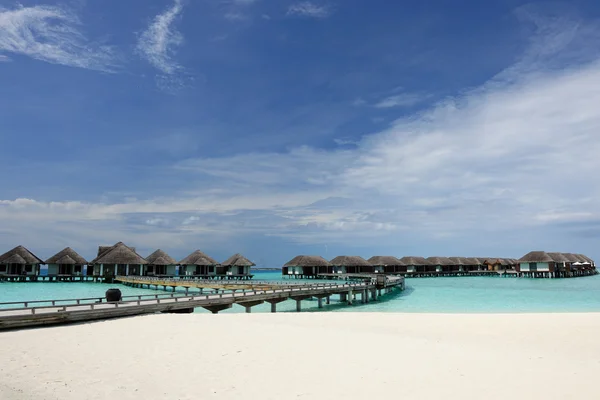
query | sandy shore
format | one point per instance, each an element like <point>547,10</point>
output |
<point>310,356</point>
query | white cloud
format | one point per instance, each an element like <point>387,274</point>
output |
<point>309,9</point>
<point>4,58</point>
<point>156,44</point>
<point>402,100</point>
<point>508,161</point>
<point>235,16</point>
<point>51,34</point>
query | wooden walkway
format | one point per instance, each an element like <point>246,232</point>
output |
<point>31,314</point>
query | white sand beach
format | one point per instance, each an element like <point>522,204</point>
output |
<point>307,355</point>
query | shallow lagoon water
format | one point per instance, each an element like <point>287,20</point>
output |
<point>423,295</point>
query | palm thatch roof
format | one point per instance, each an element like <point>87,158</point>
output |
<point>586,258</point>
<point>440,261</point>
<point>558,257</point>
<point>459,260</point>
<point>536,256</point>
<point>20,255</point>
<point>414,261</point>
<point>200,259</point>
<point>118,254</point>
<point>67,256</point>
<point>385,261</point>
<point>238,260</point>
<point>159,257</point>
<point>349,261</point>
<point>307,261</point>
<point>473,261</point>
<point>571,257</point>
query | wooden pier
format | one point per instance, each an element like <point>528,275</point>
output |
<point>32,313</point>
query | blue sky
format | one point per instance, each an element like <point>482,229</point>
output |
<point>277,128</point>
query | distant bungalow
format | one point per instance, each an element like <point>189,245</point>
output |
<point>66,262</point>
<point>351,265</point>
<point>417,264</point>
<point>443,264</point>
<point>118,259</point>
<point>238,266</point>
<point>160,263</point>
<point>539,264</point>
<point>305,266</point>
<point>387,265</point>
<point>198,264</point>
<point>20,262</point>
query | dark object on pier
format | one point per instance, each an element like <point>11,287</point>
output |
<point>113,295</point>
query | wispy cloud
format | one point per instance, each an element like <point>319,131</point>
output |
<point>157,43</point>
<point>51,34</point>
<point>402,100</point>
<point>4,58</point>
<point>309,9</point>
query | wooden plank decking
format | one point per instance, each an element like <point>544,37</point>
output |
<point>77,310</point>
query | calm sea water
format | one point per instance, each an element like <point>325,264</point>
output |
<point>423,295</point>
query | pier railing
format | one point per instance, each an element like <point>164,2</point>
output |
<point>81,304</point>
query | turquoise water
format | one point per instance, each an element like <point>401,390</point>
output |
<point>429,295</point>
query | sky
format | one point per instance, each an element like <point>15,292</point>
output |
<point>281,127</point>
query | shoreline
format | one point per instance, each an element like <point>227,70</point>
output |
<point>310,355</point>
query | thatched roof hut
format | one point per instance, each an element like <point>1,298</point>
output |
<point>161,258</point>
<point>459,260</point>
<point>536,256</point>
<point>118,254</point>
<point>67,256</point>
<point>20,255</point>
<point>441,261</point>
<point>199,259</point>
<point>349,261</point>
<point>414,261</point>
<point>571,257</point>
<point>586,258</point>
<point>307,261</point>
<point>559,257</point>
<point>386,261</point>
<point>237,260</point>
<point>306,266</point>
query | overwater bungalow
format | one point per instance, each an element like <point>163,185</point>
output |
<point>200,264</point>
<point>443,264</point>
<point>20,262</point>
<point>238,266</point>
<point>66,263</point>
<point>305,266</point>
<point>417,265</point>
<point>118,259</point>
<point>351,265</point>
<point>536,263</point>
<point>387,265</point>
<point>160,264</point>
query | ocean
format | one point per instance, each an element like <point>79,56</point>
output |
<point>422,295</point>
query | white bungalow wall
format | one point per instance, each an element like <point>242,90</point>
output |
<point>541,267</point>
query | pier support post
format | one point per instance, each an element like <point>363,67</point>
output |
<point>327,300</point>
<point>374,294</point>
<point>320,302</point>
<point>274,303</point>
<point>343,297</point>
<point>249,304</point>
<point>216,308</point>
<point>350,297</point>
<point>299,301</point>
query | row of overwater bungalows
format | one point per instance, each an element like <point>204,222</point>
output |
<point>121,259</point>
<point>533,264</point>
